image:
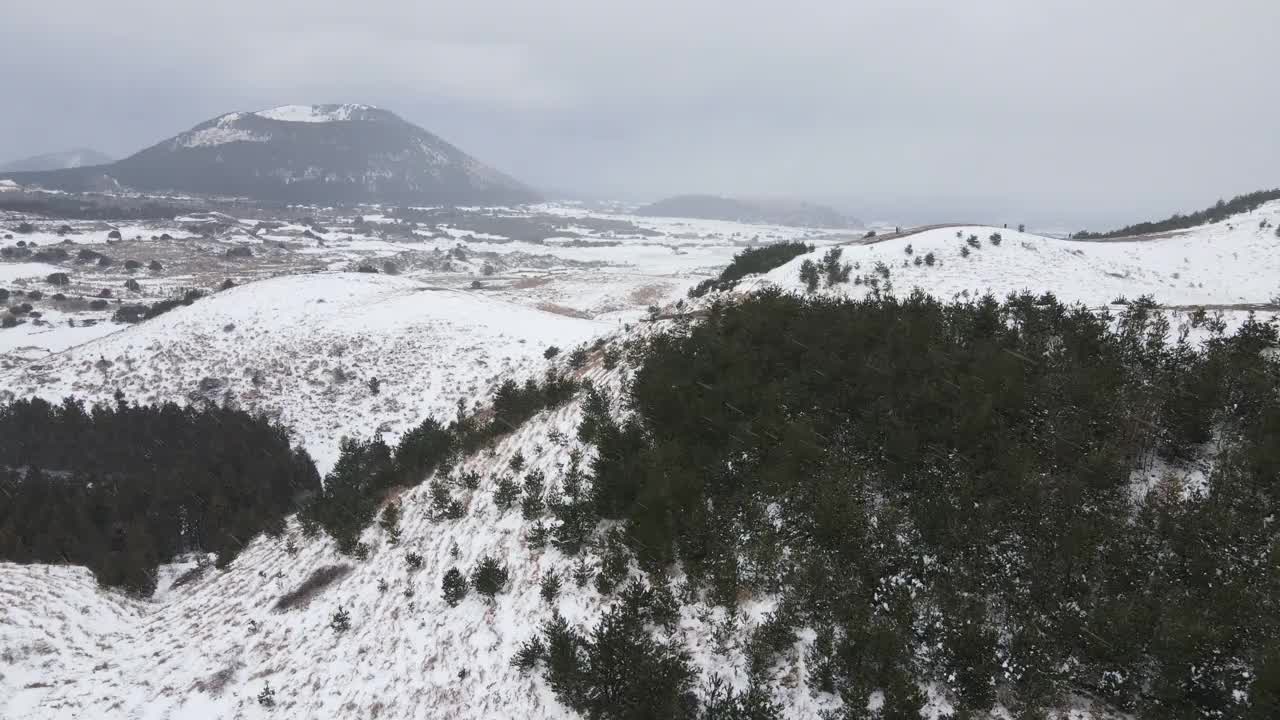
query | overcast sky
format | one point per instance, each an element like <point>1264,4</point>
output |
<point>1056,109</point>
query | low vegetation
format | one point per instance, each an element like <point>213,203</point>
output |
<point>751,261</point>
<point>1218,212</point>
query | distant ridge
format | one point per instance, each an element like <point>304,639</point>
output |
<point>79,157</point>
<point>763,212</point>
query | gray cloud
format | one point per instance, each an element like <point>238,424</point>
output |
<point>1051,108</point>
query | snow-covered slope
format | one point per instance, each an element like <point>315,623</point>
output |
<point>303,348</point>
<point>207,648</point>
<point>1235,262</point>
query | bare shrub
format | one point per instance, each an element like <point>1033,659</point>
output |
<point>312,586</point>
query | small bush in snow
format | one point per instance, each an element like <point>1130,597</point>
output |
<point>550,352</point>
<point>974,242</point>
<point>341,620</point>
<point>267,698</point>
<point>909,250</point>
<point>454,587</point>
<point>964,251</point>
<point>470,480</point>
<point>996,239</point>
<point>929,259</point>
<point>413,560</point>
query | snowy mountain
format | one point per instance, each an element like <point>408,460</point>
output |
<point>79,157</point>
<point>324,154</point>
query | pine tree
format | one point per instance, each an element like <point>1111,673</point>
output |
<point>809,275</point>
<point>341,620</point>
<point>531,504</point>
<point>454,587</point>
<point>267,698</point>
<point>506,493</point>
<point>390,523</point>
<point>550,587</point>
<point>489,577</point>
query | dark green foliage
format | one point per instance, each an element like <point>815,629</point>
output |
<point>929,259</point>
<point>516,463</point>
<point>267,698</point>
<point>549,588</point>
<point>832,269</point>
<point>341,620</point>
<point>964,251</point>
<point>454,587</point>
<point>414,561</point>
<point>530,653</point>
<point>619,671</point>
<point>138,313</point>
<point>121,488</point>
<point>489,576</point>
<point>1220,211</point>
<point>58,278</point>
<point>996,239</point>
<point>613,568</point>
<point>532,504</point>
<point>573,508</point>
<point>551,352</point>
<point>721,702</point>
<point>809,275</point>
<point>390,522</point>
<point>973,242</point>
<point>506,493</point>
<point>611,357</point>
<point>421,450</point>
<point>997,440</point>
<point>470,480</point>
<point>578,358</point>
<point>751,261</point>
<point>352,490</point>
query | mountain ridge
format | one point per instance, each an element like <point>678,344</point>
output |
<point>58,160</point>
<point>760,212</point>
<point>326,154</point>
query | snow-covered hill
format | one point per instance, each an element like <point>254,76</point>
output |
<point>304,349</point>
<point>1235,262</point>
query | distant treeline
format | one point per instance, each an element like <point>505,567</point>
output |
<point>751,261</point>
<point>1220,211</point>
<point>121,488</point>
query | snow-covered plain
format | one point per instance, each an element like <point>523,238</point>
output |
<point>303,346</point>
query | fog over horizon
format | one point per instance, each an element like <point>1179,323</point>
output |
<point>1001,111</point>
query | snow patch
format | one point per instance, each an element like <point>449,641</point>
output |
<point>312,113</point>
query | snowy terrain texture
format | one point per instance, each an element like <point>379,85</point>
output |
<point>303,348</point>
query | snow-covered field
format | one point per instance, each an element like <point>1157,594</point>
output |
<point>303,346</point>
